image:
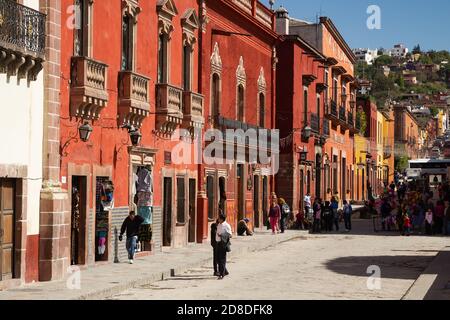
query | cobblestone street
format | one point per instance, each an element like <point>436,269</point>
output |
<point>326,266</point>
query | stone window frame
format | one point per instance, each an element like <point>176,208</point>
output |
<point>262,88</point>
<point>190,24</point>
<point>216,69</point>
<point>166,12</point>
<point>241,81</point>
<point>87,40</point>
<point>131,9</point>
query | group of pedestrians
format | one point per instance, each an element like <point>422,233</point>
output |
<point>416,209</point>
<point>327,217</point>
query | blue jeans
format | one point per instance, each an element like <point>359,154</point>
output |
<point>131,246</point>
<point>348,221</point>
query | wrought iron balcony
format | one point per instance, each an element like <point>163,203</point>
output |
<point>134,98</point>
<point>222,123</point>
<point>342,115</point>
<point>193,110</point>
<point>22,40</point>
<point>315,126</point>
<point>351,123</point>
<point>326,127</point>
<point>331,112</point>
<point>350,119</point>
<point>88,92</point>
<point>169,107</point>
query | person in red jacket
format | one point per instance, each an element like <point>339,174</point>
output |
<point>406,225</point>
<point>274,215</point>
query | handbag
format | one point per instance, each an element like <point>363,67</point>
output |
<point>228,247</point>
<point>268,225</point>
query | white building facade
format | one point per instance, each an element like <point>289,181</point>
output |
<point>366,55</point>
<point>22,55</point>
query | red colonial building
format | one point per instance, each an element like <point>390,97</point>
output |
<point>301,118</point>
<point>136,86</point>
<point>238,81</point>
<point>129,81</point>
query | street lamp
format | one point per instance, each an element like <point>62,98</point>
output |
<point>135,134</point>
<point>135,137</point>
<point>307,132</point>
<point>85,132</point>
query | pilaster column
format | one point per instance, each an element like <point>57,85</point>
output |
<point>54,242</point>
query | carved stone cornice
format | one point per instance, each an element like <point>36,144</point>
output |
<point>166,11</point>
<point>131,8</point>
<point>216,60</point>
<point>190,24</point>
<point>241,76</point>
<point>262,81</point>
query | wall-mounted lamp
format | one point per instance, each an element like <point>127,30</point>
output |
<point>85,132</point>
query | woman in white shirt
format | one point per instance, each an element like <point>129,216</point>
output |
<point>223,236</point>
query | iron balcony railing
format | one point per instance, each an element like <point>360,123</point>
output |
<point>334,109</point>
<point>326,127</point>
<point>342,115</point>
<point>22,29</point>
<point>315,123</point>
<point>224,124</point>
<point>350,119</point>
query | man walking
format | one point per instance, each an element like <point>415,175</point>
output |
<point>348,210</point>
<point>223,237</point>
<point>131,225</point>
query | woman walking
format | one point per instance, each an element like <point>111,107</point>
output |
<point>223,237</point>
<point>317,208</point>
<point>439,213</point>
<point>429,222</point>
<point>334,208</point>
<point>275,215</point>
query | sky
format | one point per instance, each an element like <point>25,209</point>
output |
<point>410,22</point>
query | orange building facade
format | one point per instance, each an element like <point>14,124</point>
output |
<point>340,99</point>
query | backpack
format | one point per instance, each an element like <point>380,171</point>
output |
<point>285,210</point>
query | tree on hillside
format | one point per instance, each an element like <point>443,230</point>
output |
<point>384,88</point>
<point>383,60</point>
<point>438,56</point>
<point>364,71</point>
<point>417,50</point>
<point>425,59</point>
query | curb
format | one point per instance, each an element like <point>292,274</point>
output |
<point>158,276</point>
<point>433,280</point>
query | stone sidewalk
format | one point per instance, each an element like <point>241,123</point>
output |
<point>104,281</point>
<point>434,282</point>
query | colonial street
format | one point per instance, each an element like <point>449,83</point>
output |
<point>325,266</point>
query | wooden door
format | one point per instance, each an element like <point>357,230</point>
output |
<point>256,200</point>
<point>265,199</point>
<point>7,195</point>
<point>192,206</point>
<point>241,192</point>
<point>167,213</point>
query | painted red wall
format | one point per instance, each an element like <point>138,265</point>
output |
<point>107,139</point>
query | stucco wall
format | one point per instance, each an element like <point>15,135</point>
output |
<point>21,120</point>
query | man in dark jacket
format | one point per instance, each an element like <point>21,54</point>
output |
<point>131,225</point>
